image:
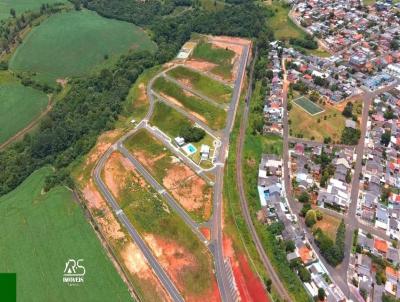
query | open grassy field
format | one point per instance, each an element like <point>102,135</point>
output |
<point>329,123</point>
<point>329,225</point>
<point>192,192</point>
<point>284,28</point>
<point>280,23</point>
<point>208,87</point>
<point>183,256</point>
<point>171,122</point>
<point>221,57</point>
<point>19,105</point>
<point>39,233</point>
<point>137,102</point>
<point>213,116</point>
<point>74,44</point>
<point>22,6</point>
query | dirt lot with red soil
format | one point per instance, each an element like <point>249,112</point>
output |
<point>127,252</point>
<point>249,285</point>
<point>176,260</point>
<point>189,189</point>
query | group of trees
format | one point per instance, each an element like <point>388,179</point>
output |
<point>93,104</point>
<point>307,42</point>
<point>192,134</point>
<point>332,251</point>
<point>350,136</point>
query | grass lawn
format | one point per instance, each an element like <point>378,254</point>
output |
<point>213,116</point>
<point>329,225</point>
<point>19,105</point>
<point>171,122</point>
<point>220,56</point>
<point>21,6</point>
<point>317,127</point>
<point>39,233</point>
<point>213,89</point>
<point>74,44</point>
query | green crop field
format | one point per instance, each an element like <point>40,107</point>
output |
<point>76,43</point>
<point>220,56</point>
<point>19,105</point>
<point>215,117</point>
<point>208,87</point>
<point>39,233</point>
<point>22,6</point>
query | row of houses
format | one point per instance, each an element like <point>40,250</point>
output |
<point>274,208</point>
<point>374,267</point>
<point>379,201</point>
<point>273,105</point>
<point>309,173</point>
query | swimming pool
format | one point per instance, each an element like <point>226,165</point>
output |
<point>189,149</point>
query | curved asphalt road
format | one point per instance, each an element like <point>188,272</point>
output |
<point>224,280</point>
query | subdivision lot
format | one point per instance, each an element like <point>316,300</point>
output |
<point>21,6</point>
<point>189,189</point>
<point>208,113</point>
<point>171,122</point>
<point>213,89</point>
<point>136,269</point>
<point>178,250</point>
<point>330,123</point>
<point>329,225</point>
<point>39,233</point>
<point>308,106</point>
<point>19,105</point>
<point>221,58</point>
<point>75,43</point>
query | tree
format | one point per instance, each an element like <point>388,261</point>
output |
<point>385,138</point>
<point>304,274</point>
<point>348,110</point>
<point>305,209</point>
<point>319,215</point>
<point>311,218</point>
<point>321,294</point>
<point>304,197</point>
<point>290,246</point>
<point>12,12</point>
<point>350,136</point>
<point>192,134</point>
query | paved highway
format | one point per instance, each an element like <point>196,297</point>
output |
<point>216,232</point>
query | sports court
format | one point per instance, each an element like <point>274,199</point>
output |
<point>308,106</point>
